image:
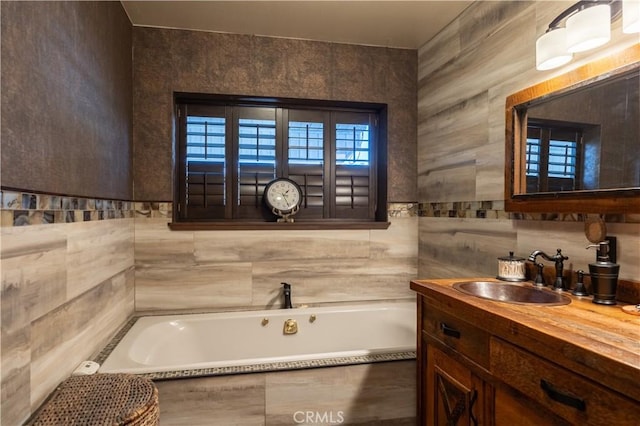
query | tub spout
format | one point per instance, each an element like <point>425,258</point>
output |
<point>286,291</point>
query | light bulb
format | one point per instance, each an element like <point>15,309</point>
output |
<point>631,16</point>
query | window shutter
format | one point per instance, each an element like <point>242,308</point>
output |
<point>203,143</point>
<point>256,163</point>
<point>228,149</point>
<point>552,157</point>
<point>354,166</point>
<point>307,145</point>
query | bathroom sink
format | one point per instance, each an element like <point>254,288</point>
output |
<point>511,293</point>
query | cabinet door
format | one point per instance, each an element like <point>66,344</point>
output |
<point>454,396</point>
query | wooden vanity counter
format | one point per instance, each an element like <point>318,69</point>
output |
<point>600,343</point>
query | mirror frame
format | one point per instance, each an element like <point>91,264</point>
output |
<point>597,201</point>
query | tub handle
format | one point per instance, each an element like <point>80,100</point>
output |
<point>449,331</point>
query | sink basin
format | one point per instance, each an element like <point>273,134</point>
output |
<point>511,293</point>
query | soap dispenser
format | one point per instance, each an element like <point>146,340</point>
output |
<point>604,276</point>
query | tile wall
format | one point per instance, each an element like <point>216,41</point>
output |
<point>371,394</point>
<point>68,285</point>
<point>465,74</point>
<point>178,270</point>
<point>66,288</point>
<point>67,262</point>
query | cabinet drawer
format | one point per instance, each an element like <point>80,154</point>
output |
<point>569,395</point>
<point>457,334</point>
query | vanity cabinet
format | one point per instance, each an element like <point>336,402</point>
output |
<point>568,395</point>
<point>478,364</point>
<point>452,392</point>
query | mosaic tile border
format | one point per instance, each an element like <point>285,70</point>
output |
<point>104,353</point>
<point>25,208</point>
<point>153,209</point>
<point>495,210</point>
<point>256,368</point>
<point>163,209</point>
<point>281,366</point>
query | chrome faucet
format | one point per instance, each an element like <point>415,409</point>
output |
<point>286,291</point>
<point>558,258</point>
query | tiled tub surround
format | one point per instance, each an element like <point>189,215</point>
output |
<point>370,394</point>
<point>208,270</point>
<point>370,389</point>
<point>66,289</point>
<point>246,341</point>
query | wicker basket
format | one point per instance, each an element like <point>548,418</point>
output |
<point>101,399</point>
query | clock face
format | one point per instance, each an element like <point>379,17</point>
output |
<point>283,194</point>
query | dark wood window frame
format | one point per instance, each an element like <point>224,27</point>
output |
<point>377,193</point>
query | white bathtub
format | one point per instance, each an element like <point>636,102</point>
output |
<point>233,339</point>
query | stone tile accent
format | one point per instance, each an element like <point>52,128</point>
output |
<point>23,209</point>
<point>495,210</point>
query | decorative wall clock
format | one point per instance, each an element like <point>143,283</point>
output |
<point>284,197</point>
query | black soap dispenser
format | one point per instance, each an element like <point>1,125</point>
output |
<point>604,276</point>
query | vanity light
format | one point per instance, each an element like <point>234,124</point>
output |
<point>583,26</point>
<point>589,28</point>
<point>631,16</point>
<point>551,49</point>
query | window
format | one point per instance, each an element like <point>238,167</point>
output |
<point>229,149</point>
<point>552,158</point>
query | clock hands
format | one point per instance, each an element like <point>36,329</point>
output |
<point>284,195</point>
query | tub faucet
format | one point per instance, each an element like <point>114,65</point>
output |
<point>286,291</point>
<point>559,259</point>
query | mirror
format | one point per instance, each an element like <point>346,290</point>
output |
<point>573,142</point>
